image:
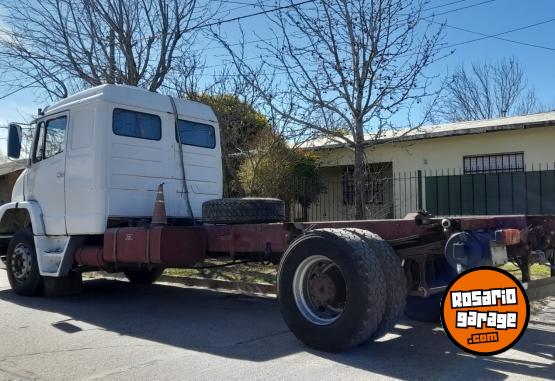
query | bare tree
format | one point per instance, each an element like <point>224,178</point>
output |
<point>342,69</point>
<point>63,45</point>
<point>488,90</point>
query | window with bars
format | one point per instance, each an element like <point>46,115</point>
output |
<point>494,163</point>
<point>374,190</point>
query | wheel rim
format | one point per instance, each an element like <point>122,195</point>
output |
<point>21,263</point>
<point>319,290</point>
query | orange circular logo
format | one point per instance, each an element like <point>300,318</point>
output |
<point>485,311</point>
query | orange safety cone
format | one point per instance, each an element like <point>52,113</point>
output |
<point>159,214</point>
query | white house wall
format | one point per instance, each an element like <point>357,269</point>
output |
<point>446,153</point>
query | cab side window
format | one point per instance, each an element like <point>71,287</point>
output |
<point>50,138</point>
<point>196,134</point>
<point>136,124</point>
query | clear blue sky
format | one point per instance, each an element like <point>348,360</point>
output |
<point>491,17</point>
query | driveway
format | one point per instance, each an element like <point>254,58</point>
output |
<point>116,330</point>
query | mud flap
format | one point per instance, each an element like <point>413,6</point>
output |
<point>63,286</point>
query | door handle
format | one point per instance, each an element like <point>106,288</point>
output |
<point>59,175</point>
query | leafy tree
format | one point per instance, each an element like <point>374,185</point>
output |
<point>273,169</point>
<point>239,124</point>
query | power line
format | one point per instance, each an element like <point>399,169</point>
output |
<point>238,18</point>
<point>245,5</point>
<point>447,4</point>
<point>496,35</point>
<point>277,38</point>
<point>484,37</point>
<point>425,18</point>
<point>466,7</point>
<point>238,2</point>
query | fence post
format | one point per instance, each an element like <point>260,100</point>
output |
<point>304,204</point>
<point>420,203</point>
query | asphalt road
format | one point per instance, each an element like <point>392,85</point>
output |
<point>118,331</point>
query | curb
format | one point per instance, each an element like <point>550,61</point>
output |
<point>540,288</point>
<point>264,289</point>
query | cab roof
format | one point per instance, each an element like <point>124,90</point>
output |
<point>135,97</point>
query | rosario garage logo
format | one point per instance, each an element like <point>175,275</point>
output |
<point>485,310</point>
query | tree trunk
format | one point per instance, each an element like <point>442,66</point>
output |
<point>359,174</point>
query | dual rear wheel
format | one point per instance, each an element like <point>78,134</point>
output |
<point>340,287</point>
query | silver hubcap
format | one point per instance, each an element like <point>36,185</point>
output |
<point>21,262</point>
<point>319,289</point>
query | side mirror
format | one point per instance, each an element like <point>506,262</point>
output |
<point>14,141</point>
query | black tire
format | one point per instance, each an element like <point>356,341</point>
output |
<point>143,276</point>
<point>364,290</point>
<point>427,310</point>
<point>243,211</point>
<point>22,266</point>
<point>395,280</point>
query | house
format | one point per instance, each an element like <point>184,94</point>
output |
<point>474,167</point>
<point>9,172</point>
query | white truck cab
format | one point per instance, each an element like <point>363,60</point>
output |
<point>98,157</point>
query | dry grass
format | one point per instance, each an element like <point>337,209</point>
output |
<point>258,273</point>
<point>248,272</point>
<point>536,271</point>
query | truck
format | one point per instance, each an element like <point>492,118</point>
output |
<point>124,180</point>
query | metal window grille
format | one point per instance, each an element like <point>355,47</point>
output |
<point>374,191</point>
<point>495,163</point>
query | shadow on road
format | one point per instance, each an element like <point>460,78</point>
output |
<point>251,329</point>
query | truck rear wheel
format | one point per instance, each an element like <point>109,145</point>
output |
<point>143,276</point>
<point>395,280</point>
<point>331,289</point>
<point>250,210</point>
<point>22,265</point>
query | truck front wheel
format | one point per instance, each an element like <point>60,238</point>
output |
<point>331,289</point>
<point>22,265</point>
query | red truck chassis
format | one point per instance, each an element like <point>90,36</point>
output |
<point>416,238</point>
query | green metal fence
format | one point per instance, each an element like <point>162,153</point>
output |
<point>441,193</point>
<point>526,192</point>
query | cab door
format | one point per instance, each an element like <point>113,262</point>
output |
<point>46,177</point>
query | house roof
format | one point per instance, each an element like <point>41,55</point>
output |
<point>544,119</point>
<point>12,166</point>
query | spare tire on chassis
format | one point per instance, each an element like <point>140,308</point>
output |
<point>249,210</point>
<point>331,289</point>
